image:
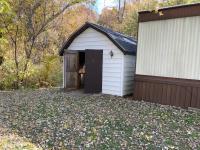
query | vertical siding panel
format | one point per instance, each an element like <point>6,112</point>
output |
<point>136,91</point>
<point>182,98</point>
<point>168,91</point>
<point>173,95</point>
<point>147,92</point>
<point>140,89</point>
<point>168,95</point>
<point>177,96</point>
<point>198,99</point>
<point>144,90</point>
<point>188,96</point>
<point>156,92</point>
<point>148,98</point>
<point>194,97</point>
<point>164,94</point>
<point>151,89</point>
<point>169,48</point>
<point>160,92</point>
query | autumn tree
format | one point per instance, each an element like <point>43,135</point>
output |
<point>29,23</point>
<point>4,9</point>
<point>72,20</point>
<point>121,9</point>
<point>109,18</point>
<point>129,25</point>
<point>128,10</point>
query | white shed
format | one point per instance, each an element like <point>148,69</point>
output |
<point>99,60</point>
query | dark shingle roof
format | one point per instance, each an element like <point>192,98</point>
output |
<point>125,43</point>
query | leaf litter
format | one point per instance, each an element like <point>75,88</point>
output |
<point>52,119</point>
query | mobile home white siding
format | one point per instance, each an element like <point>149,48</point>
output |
<point>169,48</point>
<point>112,67</point>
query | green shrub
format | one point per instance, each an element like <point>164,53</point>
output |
<point>47,73</point>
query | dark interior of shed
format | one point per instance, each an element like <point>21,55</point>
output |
<point>81,71</point>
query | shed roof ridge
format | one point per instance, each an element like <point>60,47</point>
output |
<point>126,44</point>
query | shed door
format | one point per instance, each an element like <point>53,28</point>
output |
<point>93,77</point>
<point>71,70</point>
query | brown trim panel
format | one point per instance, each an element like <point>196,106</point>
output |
<point>170,13</point>
<point>167,91</point>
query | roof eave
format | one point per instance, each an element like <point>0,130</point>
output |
<point>82,29</point>
<point>72,37</point>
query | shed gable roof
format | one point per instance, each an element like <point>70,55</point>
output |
<point>125,43</point>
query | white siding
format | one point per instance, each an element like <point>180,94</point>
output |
<point>112,67</point>
<point>170,48</point>
<point>128,74</point>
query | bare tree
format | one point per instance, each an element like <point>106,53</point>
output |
<point>121,10</point>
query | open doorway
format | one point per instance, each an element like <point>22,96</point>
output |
<point>81,70</point>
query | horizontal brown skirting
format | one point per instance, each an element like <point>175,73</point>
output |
<point>170,13</point>
<point>168,91</point>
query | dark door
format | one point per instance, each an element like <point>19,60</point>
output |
<point>71,70</point>
<point>93,70</point>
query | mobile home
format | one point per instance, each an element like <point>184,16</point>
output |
<point>168,56</point>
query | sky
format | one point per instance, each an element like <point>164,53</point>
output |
<point>100,4</point>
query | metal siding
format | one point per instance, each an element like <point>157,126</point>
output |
<point>169,48</point>
<point>167,91</point>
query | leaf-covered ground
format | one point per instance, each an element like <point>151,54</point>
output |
<point>51,119</point>
<point>10,141</point>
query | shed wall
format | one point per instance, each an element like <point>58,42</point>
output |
<point>112,67</point>
<point>169,48</point>
<point>128,74</point>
